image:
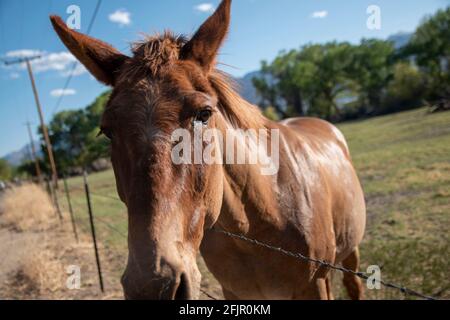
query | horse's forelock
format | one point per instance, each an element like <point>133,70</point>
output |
<point>157,53</point>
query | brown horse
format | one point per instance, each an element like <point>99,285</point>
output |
<point>313,204</point>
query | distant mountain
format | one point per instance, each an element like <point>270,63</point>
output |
<point>400,39</point>
<point>246,88</point>
<point>17,157</point>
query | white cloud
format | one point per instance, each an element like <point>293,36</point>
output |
<point>121,16</point>
<point>320,14</point>
<point>204,7</point>
<point>61,92</point>
<point>61,62</point>
<point>78,71</point>
<point>14,75</point>
<point>24,53</point>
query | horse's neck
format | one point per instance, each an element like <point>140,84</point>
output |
<point>249,197</point>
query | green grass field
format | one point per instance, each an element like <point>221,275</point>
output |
<point>404,164</point>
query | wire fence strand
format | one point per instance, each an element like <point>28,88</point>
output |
<point>208,294</point>
<point>106,197</point>
<point>323,263</point>
<point>111,227</point>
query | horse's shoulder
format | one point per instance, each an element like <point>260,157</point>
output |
<point>309,125</point>
<point>317,130</point>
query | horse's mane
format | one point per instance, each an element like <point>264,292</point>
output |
<point>240,113</point>
<point>154,53</point>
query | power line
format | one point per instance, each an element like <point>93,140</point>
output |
<point>2,31</point>
<point>75,64</point>
<point>22,18</point>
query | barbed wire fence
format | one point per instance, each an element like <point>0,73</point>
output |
<point>299,256</point>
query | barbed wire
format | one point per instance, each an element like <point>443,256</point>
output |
<point>101,220</point>
<point>323,263</point>
<point>111,227</point>
<point>106,196</point>
<point>82,222</point>
<point>206,293</point>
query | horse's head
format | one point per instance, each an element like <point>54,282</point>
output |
<point>167,84</point>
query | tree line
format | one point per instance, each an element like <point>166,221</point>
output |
<point>340,81</point>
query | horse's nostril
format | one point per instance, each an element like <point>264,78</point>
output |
<point>182,292</point>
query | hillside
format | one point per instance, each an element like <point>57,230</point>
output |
<point>246,88</point>
<point>404,163</point>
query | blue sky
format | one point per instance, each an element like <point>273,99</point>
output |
<point>260,29</point>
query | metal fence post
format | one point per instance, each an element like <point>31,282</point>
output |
<point>69,203</point>
<point>94,239</point>
<point>49,190</point>
<point>58,209</point>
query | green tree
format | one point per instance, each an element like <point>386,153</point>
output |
<point>74,136</point>
<point>67,132</point>
<point>372,70</point>
<point>308,81</point>
<point>266,86</point>
<point>430,47</point>
<point>28,168</point>
<point>406,90</point>
<point>97,147</point>
<point>5,170</point>
<point>323,74</point>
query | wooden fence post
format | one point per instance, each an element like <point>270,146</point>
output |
<point>54,198</point>
<point>94,239</point>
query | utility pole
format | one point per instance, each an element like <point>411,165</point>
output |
<point>33,153</point>
<point>41,116</point>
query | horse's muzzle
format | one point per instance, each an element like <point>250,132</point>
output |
<point>157,287</point>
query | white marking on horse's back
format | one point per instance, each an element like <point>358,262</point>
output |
<point>299,165</point>
<point>340,136</point>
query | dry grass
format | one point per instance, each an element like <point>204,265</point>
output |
<point>42,270</point>
<point>43,249</point>
<point>41,273</point>
<point>27,208</point>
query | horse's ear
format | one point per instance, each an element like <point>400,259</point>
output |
<point>205,44</point>
<point>101,59</point>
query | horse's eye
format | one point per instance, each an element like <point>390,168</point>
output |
<point>204,115</point>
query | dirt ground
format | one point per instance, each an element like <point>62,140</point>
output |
<point>13,249</point>
<point>62,251</point>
